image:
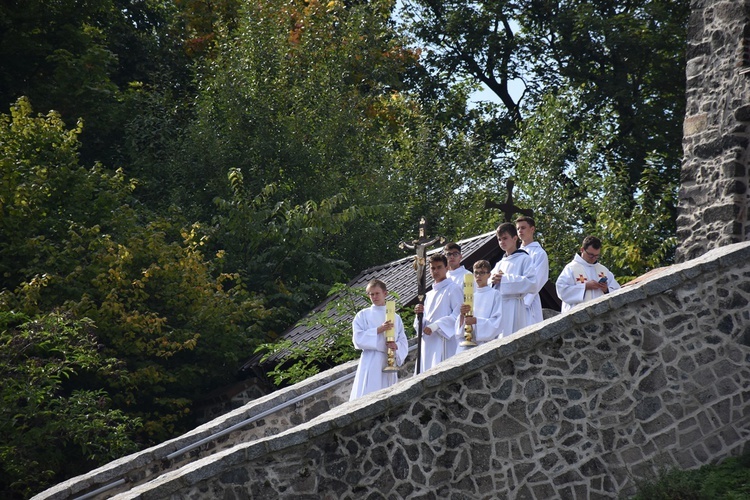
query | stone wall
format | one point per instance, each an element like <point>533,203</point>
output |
<point>713,199</point>
<point>653,376</point>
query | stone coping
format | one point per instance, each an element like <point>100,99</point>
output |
<point>392,398</point>
<point>119,468</point>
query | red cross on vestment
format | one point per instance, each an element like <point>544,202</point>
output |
<point>581,278</point>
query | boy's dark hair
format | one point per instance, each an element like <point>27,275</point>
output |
<point>439,257</point>
<point>591,241</point>
<point>507,227</point>
<point>482,264</point>
<point>452,246</point>
<point>528,220</point>
<point>377,282</point>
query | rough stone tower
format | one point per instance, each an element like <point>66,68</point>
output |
<point>713,199</point>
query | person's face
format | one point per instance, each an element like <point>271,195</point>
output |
<point>377,295</point>
<point>454,258</point>
<point>525,232</point>
<point>507,242</point>
<point>438,270</point>
<point>481,276</point>
<point>590,254</point>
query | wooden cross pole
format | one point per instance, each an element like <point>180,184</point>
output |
<point>508,208</point>
<point>420,263</point>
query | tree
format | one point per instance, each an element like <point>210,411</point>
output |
<point>562,156</point>
<point>73,239</point>
<point>54,424</point>
<point>621,64</point>
<point>78,57</point>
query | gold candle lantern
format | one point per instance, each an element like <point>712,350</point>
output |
<point>390,334</point>
<point>469,300</point>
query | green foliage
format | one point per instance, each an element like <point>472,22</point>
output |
<point>563,159</point>
<point>280,248</point>
<point>179,323</point>
<point>729,480</point>
<point>54,424</point>
<point>595,137</point>
<point>309,97</point>
<point>332,346</point>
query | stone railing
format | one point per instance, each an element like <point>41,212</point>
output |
<point>263,417</point>
<point>583,405</point>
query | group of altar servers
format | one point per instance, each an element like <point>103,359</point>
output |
<point>505,300</point>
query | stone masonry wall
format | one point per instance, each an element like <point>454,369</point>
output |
<point>713,198</point>
<point>652,376</point>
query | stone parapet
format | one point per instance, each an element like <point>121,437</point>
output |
<point>653,376</point>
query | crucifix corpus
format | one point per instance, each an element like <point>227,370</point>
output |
<point>420,262</point>
<point>508,208</point>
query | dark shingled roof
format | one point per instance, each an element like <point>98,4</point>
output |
<point>400,277</point>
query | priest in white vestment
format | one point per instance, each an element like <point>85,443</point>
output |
<point>584,278</point>
<point>513,276</point>
<point>369,335</point>
<point>526,228</point>
<point>441,308</point>
<point>486,313</point>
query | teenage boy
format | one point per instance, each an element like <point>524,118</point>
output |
<point>584,278</point>
<point>456,271</point>
<point>487,312</point>
<point>514,277</point>
<point>369,327</point>
<point>441,308</point>
<point>526,229</point>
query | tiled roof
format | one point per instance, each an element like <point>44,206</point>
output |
<point>400,277</point>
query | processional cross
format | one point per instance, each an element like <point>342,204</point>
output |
<point>420,262</point>
<point>508,208</point>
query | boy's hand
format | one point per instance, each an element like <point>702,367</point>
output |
<point>496,277</point>
<point>385,326</point>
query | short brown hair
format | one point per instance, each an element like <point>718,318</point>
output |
<point>482,264</point>
<point>528,220</point>
<point>591,241</point>
<point>439,257</point>
<point>452,246</point>
<point>376,282</point>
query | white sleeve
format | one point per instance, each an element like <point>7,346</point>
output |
<point>366,337</point>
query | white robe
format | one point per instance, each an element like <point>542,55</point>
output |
<point>457,276</point>
<point>488,304</point>
<point>370,376</point>
<point>571,284</point>
<point>442,305</point>
<point>518,280</point>
<point>541,265</point>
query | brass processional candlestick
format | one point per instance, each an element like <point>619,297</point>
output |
<point>468,300</point>
<point>390,335</point>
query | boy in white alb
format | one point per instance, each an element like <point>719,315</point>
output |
<point>526,229</point>
<point>514,277</point>
<point>487,312</point>
<point>441,308</point>
<point>369,327</point>
<point>584,279</point>
<point>456,271</point>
